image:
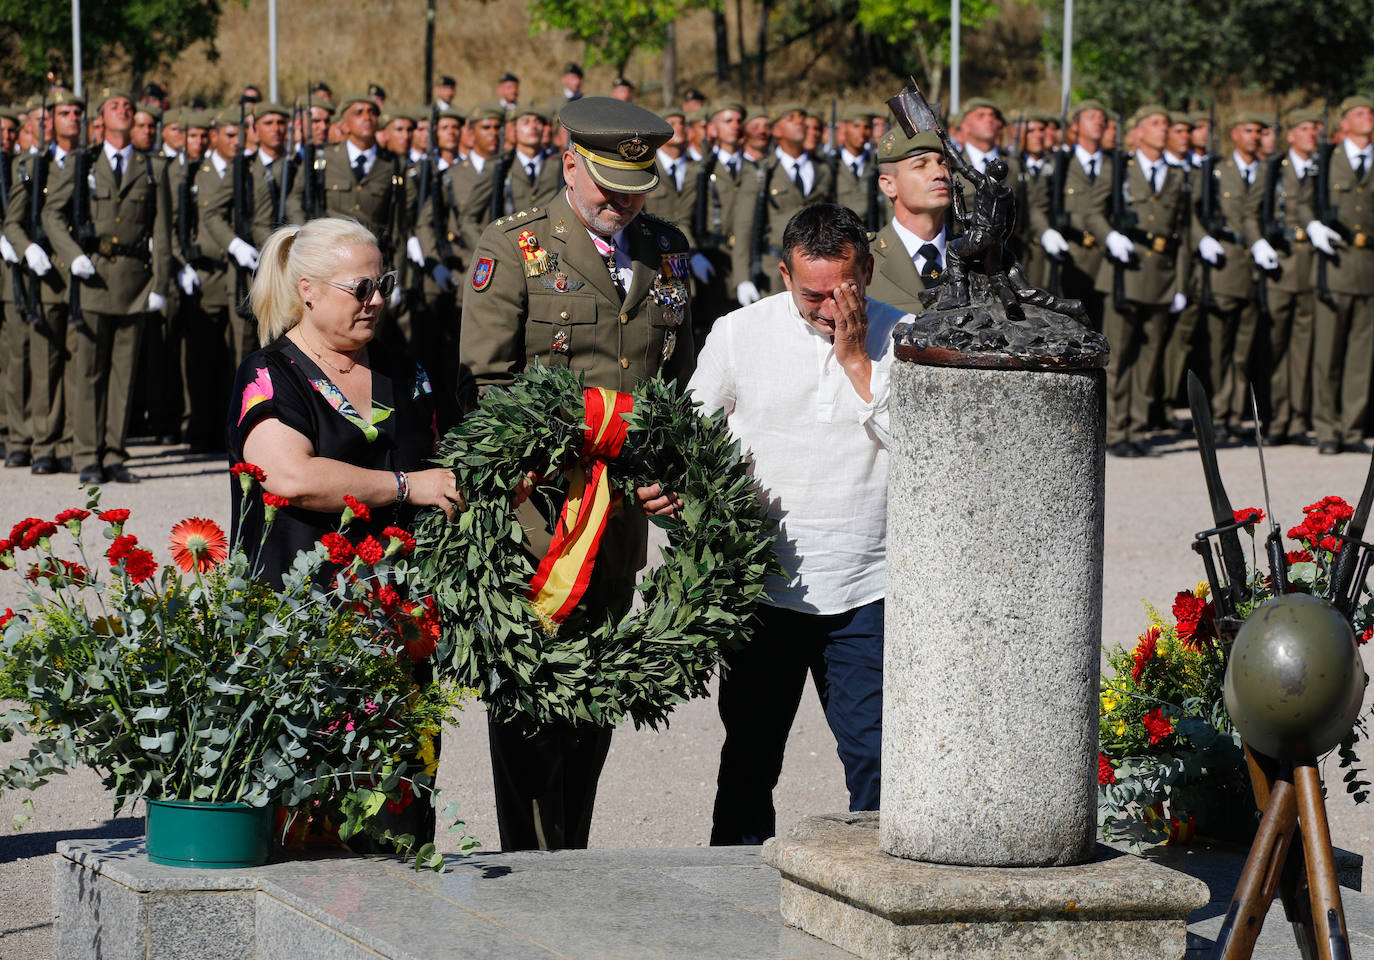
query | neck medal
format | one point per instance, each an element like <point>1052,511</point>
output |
<point>536,257</point>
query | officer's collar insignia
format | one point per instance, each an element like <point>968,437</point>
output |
<point>559,227</point>
<point>633,149</point>
<point>663,242</point>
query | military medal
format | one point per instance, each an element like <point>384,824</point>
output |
<point>560,342</point>
<point>676,265</point>
<point>536,257</point>
<point>669,345</point>
<point>561,282</point>
<point>671,296</point>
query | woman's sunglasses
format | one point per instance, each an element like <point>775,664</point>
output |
<point>366,287</point>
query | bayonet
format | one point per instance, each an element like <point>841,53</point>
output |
<point>1345,583</point>
<point>1273,544</point>
<point>1232,557</point>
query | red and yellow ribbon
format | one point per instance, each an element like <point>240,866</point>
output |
<point>566,569</point>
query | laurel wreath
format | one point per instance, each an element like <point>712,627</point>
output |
<point>697,603</point>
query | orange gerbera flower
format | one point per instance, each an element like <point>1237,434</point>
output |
<point>198,544</point>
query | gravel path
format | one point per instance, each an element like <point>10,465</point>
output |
<point>658,787</point>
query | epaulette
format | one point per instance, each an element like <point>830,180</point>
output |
<point>521,218</point>
<point>663,232</point>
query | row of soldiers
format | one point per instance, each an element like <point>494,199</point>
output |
<point>176,229</point>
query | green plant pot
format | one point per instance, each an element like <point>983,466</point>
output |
<point>213,836</point>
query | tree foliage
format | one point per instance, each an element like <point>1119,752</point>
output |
<point>918,32</point>
<point>130,35</point>
<point>612,29</point>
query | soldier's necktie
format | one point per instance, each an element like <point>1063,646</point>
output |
<point>858,168</point>
<point>797,178</point>
<point>931,256</point>
<point>1092,170</point>
<point>118,169</point>
<point>1360,168</point>
<point>360,168</point>
<point>1248,177</point>
<point>529,171</point>
<point>672,173</point>
<point>1154,176</point>
<point>731,166</point>
<point>607,251</point>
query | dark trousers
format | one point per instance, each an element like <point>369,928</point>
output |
<point>104,358</point>
<point>546,783</point>
<point>208,364</point>
<point>760,689</point>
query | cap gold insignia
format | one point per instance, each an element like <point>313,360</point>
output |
<point>633,149</point>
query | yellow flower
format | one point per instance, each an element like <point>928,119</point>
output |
<point>1110,701</point>
<point>1119,728</point>
<point>427,750</point>
<point>1202,590</point>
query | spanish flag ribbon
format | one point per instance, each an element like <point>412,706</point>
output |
<point>566,569</point>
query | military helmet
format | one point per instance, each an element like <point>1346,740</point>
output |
<point>1294,681</point>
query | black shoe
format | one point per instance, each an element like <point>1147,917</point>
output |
<point>120,474</point>
<point>65,465</point>
<point>44,466</point>
<point>1124,448</point>
<point>1147,450</point>
<point>1359,446</point>
<point>168,439</point>
<point>17,458</point>
<point>1302,440</point>
<point>91,475</point>
<point>1179,425</point>
<point>1276,439</point>
<point>1328,448</point>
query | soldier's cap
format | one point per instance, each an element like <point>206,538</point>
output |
<point>780,110</point>
<point>9,111</point>
<point>622,82</point>
<point>979,103</point>
<point>1251,116</point>
<point>104,96</point>
<point>487,111</point>
<point>1201,117</point>
<point>227,117</point>
<point>1176,117</point>
<point>1149,110</point>
<point>543,113</point>
<point>858,113</point>
<point>508,77</point>
<point>720,105</point>
<point>446,81</point>
<point>617,140</point>
<point>323,104</point>
<point>197,120</point>
<point>176,115</point>
<point>62,96</point>
<point>693,94</point>
<point>450,113</point>
<point>376,90</point>
<point>699,114</point>
<point>350,99</point>
<point>1353,102</point>
<point>896,145</point>
<point>261,110</point>
<point>757,112</point>
<point>156,90</point>
<point>574,68</point>
<point>678,112</point>
<point>152,109</point>
<point>1303,115</point>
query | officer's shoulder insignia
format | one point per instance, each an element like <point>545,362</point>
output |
<point>481,273</point>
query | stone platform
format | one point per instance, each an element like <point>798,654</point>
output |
<point>697,903</point>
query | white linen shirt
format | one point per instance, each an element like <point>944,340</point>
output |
<point>817,449</point>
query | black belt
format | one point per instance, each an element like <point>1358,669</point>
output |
<point>1081,237</point>
<point>1157,242</point>
<point>109,247</point>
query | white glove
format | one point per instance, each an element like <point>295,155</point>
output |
<point>1264,255</point>
<point>81,266</point>
<point>1210,250</point>
<point>1323,237</point>
<point>7,251</point>
<point>156,302</point>
<point>746,293</point>
<point>1120,246</point>
<point>188,280</point>
<point>443,276</point>
<point>414,253</point>
<point>245,253</point>
<point>701,268</point>
<point>1179,302</point>
<point>39,263</point>
<point>394,300</point>
<point>1053,242</point>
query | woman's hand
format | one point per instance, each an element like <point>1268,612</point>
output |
<point>436,487</point>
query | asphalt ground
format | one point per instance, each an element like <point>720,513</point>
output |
<point>658,786</point>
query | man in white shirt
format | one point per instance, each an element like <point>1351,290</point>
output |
<point>802,378</point>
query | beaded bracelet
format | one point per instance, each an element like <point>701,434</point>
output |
<point>402,487</point>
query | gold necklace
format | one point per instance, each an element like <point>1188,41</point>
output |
<point>320,357</point>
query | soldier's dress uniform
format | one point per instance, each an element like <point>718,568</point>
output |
<point>897,279</point>
<point>1085,192</point>
<point>1343,334</point>
<point>675,197</point>
<point>131,252</point>
<point>520,190</point>
<point>571,314</point>
<point>718,179</point>
<point>1291,297</point>
<point>1156,273</point>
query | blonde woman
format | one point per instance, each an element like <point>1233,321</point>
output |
<point>323,409</point>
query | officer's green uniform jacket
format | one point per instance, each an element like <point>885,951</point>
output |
<point>215,205</point>
<point>895,280</point>
<point>131,249</point>
<point>471,191</point>
<point>717,229</point>
<point>266,193</point>
<point>378,201</point>
<point>1084,197</point>
<point>517,193</point>
<point>782,199</point>
<point>439,217</point>
<point>1292,195</point>
<point>858,193</point>
<point>1351,271</point>
<point>1160,266</point>
<point>1240,205</point>
<point>52,287</point>
<point>666,202</point>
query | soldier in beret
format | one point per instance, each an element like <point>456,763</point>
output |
<point>856,171</point>
<point>719,177</point>
<point>594,284</point>
<point>909,253</point>
<point>674,199</point>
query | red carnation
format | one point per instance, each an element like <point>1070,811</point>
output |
<point>6,618</point>
<point>247,473</point>
<point>1195,618</point>
<point>1330,543</point>
<point>19,529</point>
<point>37,533</point>
<point>6,554</point>
<point>1299,556</point>
<point>1300,532</point>
<point>1247,514</point>
<point>403,801</point>
<point>1319,523</point>
<point>120,547</point>
<point>72,513</point>
<point>1338,509</point>
<point>389,597</point>
<point>118,515</point>
<point>1156,725</point>
<point>1367,635</point>
<point>1105,772</point>
<point>272,500</point>
<point>140,565</point>
<point>340,550</point>
<point>359,509</point>
<point>399,540</point>
<point>370,551</point>
<point>1144,652</point>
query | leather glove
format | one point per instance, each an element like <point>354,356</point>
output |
<point>81,266</point>
<point>443,276</point>
<point>1210,250</point>
<point>1179,302</point>
<point>1264,255</point>
<point>1120,246</point>
<point>245,253</point>
<point>188,280</point>
<point>39,263</point>
<point>701,268</point>
<point>1323,237</point>
<point>156,302</point>
<point>746,293</point>
<point>1053,243</point>
<point>7,251</point>
<point>394,300</point>
<point>414,253</point>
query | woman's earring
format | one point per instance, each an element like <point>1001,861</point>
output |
<point>309,305</point>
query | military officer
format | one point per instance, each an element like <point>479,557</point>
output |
<point>593,284</point>
<point>788,179</point>
<point>1153,261</point>
<point>856,170</point>
<point>675,197</point>
<point>1181,349</point>
<point>1079,186</point>
<point>758,134</point>
<point>222,235</point>
<point>719,177</point>
<point>123,271</point>
<point>526,175</point>
<point>909,253</point>
<point>1340,226</point>
<point>1288,186</point>
<point>465,178</point>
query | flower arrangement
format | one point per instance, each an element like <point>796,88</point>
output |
<point>199,681</point>
<point>1170,764</point>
